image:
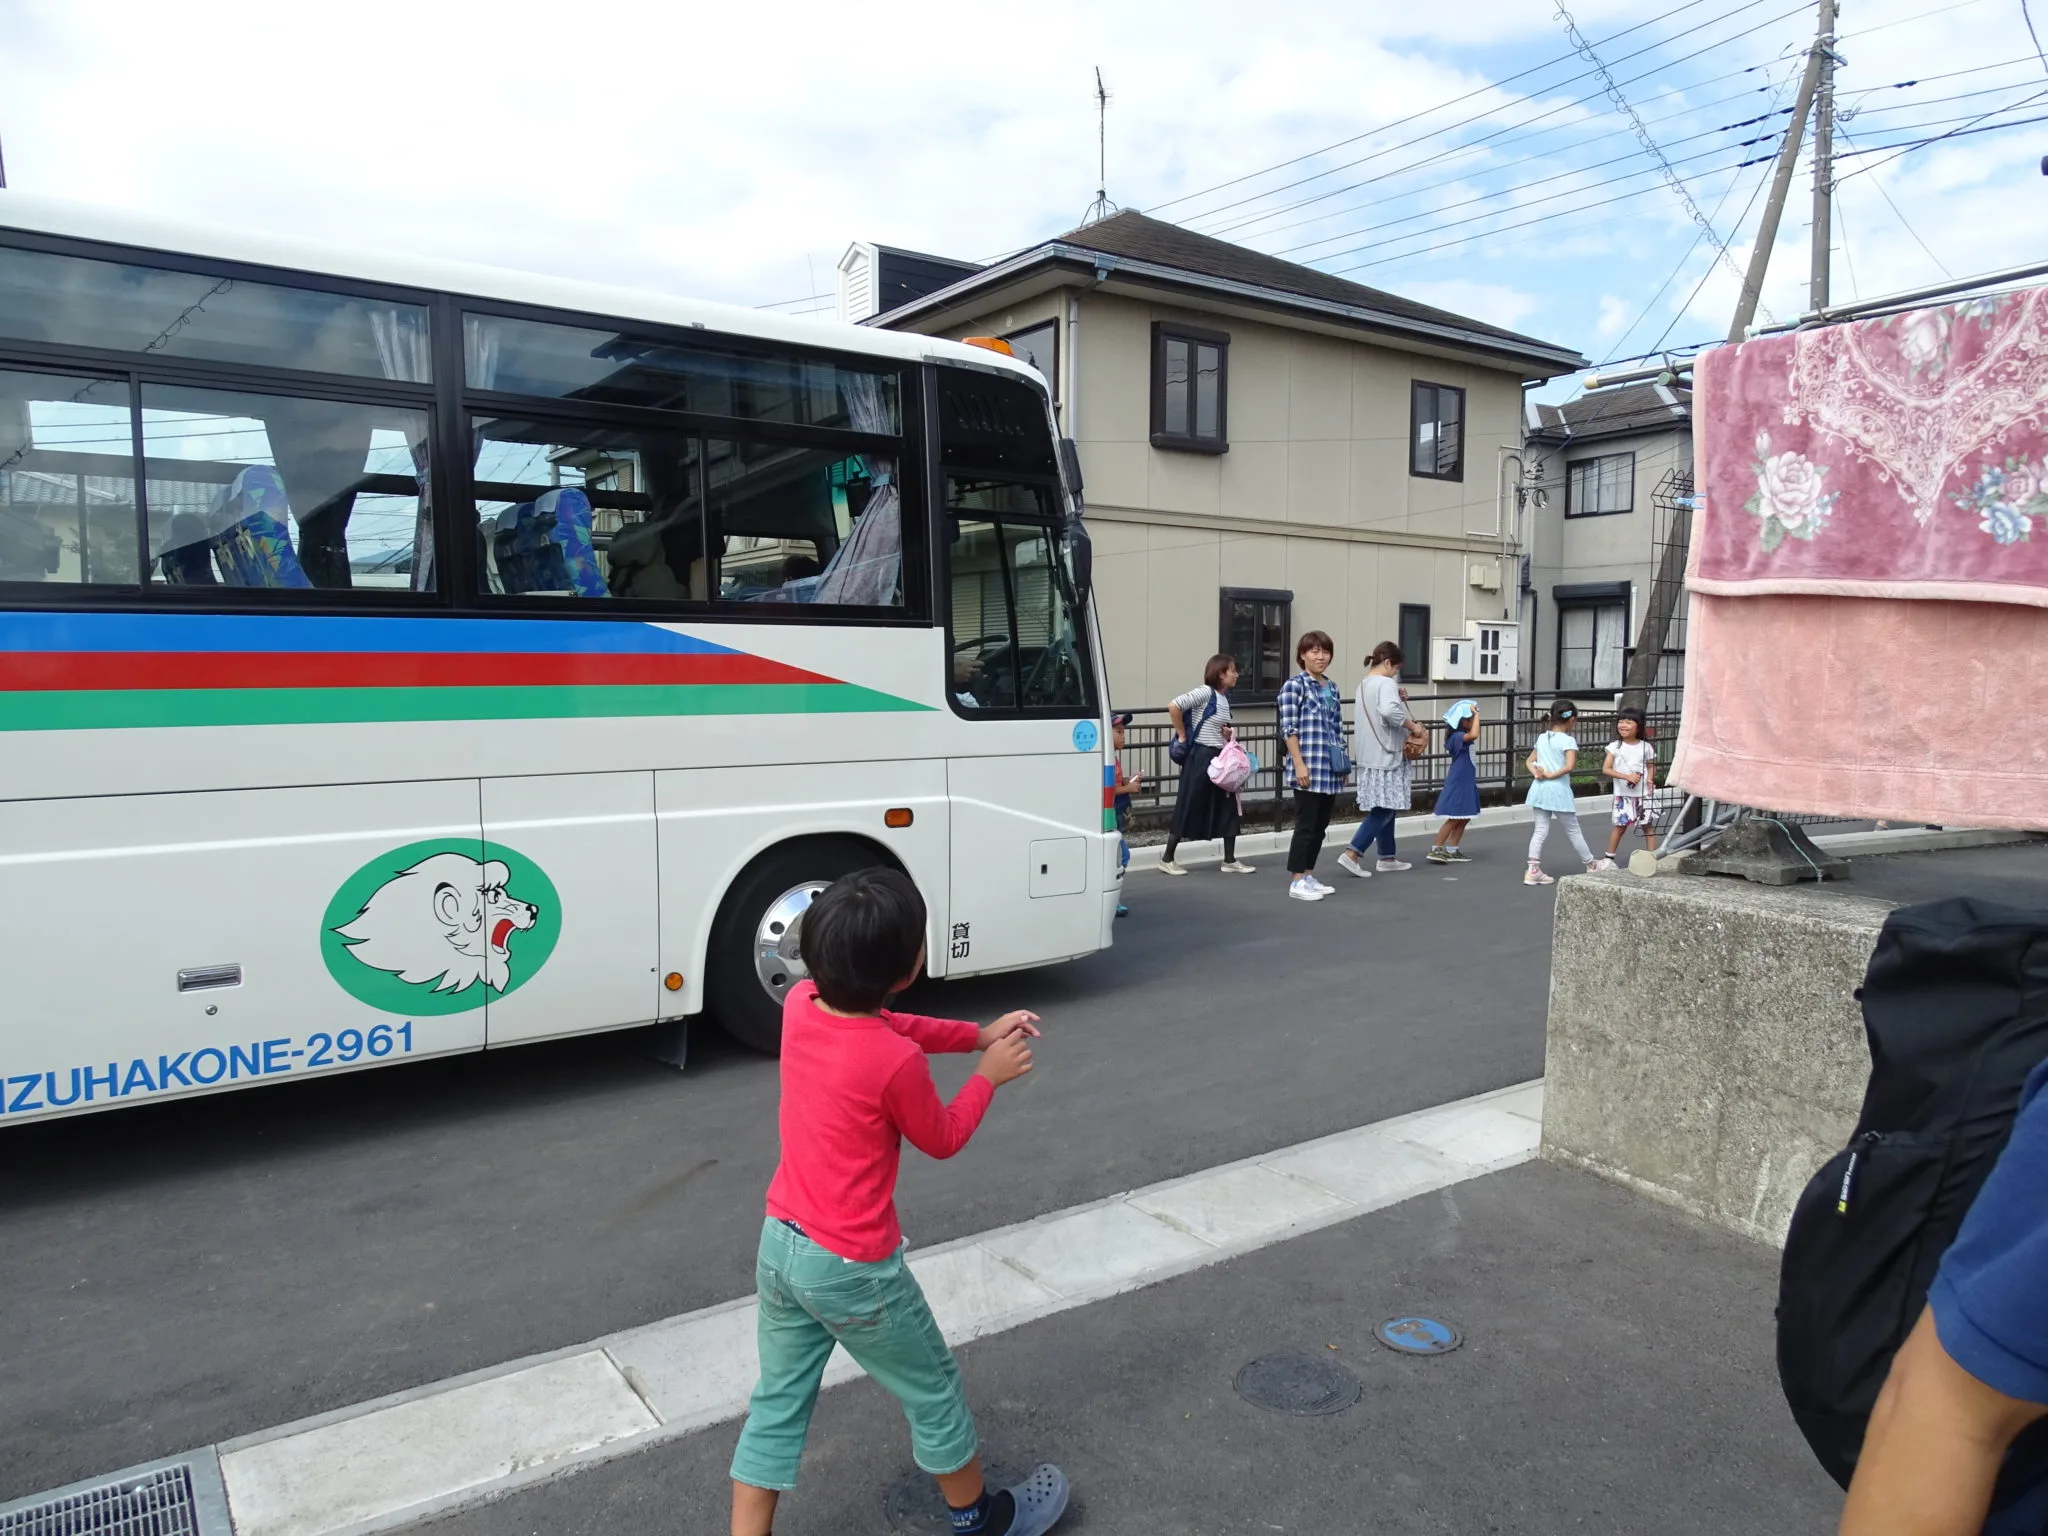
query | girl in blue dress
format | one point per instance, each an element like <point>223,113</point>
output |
<point>1458,801</point>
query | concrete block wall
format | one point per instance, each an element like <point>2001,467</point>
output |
<point>1705,1045</point>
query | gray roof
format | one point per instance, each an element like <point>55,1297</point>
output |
<point>1154,250</point>
<point>1613,412</point>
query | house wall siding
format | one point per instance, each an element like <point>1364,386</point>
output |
<point>1318,448</point>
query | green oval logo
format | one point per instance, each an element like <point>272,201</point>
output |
<point>440,927</point>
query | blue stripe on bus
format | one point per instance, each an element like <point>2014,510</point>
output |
<point>285,633</point>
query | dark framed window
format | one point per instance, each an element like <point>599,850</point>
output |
<point>1600,487</point>
<point>1190,389</point>
<point>1436,434</point>
<point>1040,347</point>
<point>1592,636</point>
<point>1258,629</point>
<point>1414,642</point>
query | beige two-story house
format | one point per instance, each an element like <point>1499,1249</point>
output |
<point>1602,462</point>
<point>1266,448</point>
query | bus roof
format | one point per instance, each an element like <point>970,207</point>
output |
<point>33,212</point>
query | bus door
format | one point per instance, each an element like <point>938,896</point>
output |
<point>571,904</point>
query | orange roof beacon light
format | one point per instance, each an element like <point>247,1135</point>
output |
<point>993,343</point>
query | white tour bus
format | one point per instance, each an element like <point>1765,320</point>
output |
<point>400,657</point>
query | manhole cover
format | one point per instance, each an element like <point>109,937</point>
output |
<point>914,1505</point>
<point>1298,1384</point>
<point>1418,1336</point>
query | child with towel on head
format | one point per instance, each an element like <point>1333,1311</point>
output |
<point>1458,801</point>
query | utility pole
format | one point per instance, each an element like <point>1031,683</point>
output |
<point>1781,177</point>
<point>1823,161</point>
<point>1669,582</point>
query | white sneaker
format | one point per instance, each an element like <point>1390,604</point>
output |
<point>1392,866</point>
<point>1239,867</point>
<point>1301,890</point>
<point>1535,876</point>
<point>1601,865</point>
<point>1327,890</point>
<point>1168,867</point>
<point>1348,862</point>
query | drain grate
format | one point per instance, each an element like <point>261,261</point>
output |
<point>915,1508</point>
<point>1304,1385</point>
<point>158,1503</point>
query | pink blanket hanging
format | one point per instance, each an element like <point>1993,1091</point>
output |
<point>1869,569</point>
<point>1902,457</point>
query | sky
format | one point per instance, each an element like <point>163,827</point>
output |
<point>1464,156</point>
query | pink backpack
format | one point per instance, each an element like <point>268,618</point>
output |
<point>1229,769</point>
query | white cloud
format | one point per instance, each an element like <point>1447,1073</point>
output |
<point>1615,313</point>
<point>1495,303</point>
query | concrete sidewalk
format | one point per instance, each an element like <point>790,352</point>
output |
<point>1615,1376</point>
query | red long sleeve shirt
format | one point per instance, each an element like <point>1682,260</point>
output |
<point>853,1090</point>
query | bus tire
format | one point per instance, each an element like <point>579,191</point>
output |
<point>753,962</point>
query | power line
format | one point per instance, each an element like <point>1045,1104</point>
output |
<point>1670,176</point>
<point>1953,133</point>
<point>2029,15</point>
<point>1901,217</point>
<point>1317,218</point>
<point>1699,287</point>
<point>1498,133</point>
<point>1466,122</point>
<point>1777,90</point>
<point>1492,85</point>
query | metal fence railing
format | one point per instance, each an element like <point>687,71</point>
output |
<point>1509,723</point>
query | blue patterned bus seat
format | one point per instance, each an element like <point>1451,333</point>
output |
<point>544,545</point>
<point>254,546</point>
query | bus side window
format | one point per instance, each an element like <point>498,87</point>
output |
<point>67,481</point>
<point>275,491</point>
<point>804,525</point>
<point>588,510</point>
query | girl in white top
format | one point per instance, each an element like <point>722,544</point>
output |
<point>1632,765</point>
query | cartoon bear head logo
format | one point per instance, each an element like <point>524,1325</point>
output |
<point>447,923</point>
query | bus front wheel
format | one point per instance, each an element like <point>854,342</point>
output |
<point>757,942</point>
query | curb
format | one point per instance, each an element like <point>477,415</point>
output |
<point>1339,834</point>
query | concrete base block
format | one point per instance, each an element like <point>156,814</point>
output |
<point>1705,1044</point>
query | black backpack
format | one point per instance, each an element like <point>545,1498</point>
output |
<point>1955,1005</point>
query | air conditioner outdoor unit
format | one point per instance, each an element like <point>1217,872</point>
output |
<point>1485,575</point>
<point>1450,658</point>
<point>1496,647</point>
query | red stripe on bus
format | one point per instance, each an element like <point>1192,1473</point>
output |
<point>90,671</point>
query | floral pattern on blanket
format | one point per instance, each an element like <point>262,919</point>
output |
<point>1902,456</point>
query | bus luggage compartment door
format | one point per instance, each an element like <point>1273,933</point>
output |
<point>169,943</point>
<point>570,904</point>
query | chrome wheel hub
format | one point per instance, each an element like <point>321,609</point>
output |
<point>778,941</point>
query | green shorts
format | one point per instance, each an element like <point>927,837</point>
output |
<point>809,1299</point>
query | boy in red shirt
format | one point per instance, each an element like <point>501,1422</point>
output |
<point>854,1086</point>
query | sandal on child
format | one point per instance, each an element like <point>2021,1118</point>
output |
<point>1040,1501</point>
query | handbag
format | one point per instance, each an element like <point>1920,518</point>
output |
<point>1340,758</point>
<point>1413,744</point>
<point>1180,746</point>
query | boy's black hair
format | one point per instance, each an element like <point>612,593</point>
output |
<point>861,937</point>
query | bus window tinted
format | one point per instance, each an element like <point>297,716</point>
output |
<point>994,424</point>
<point>251,490</point>
<point>589,510</point>
<point>984,657</point>
<point>67,480</point>
<point>80,302</point>
<point>525,357</point>
<point>805,525</point>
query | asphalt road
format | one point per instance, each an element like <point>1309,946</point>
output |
<point>177,1274</point>
<point>1616,1376</point>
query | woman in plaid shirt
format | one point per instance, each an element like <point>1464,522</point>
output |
<point>1312,725</point>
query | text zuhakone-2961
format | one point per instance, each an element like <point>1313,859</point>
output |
<point>66,1087</point>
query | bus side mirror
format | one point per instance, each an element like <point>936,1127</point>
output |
<point>1070,465</point>
<point>1081,555</point>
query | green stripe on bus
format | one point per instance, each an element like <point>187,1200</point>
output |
<point>128,709</point>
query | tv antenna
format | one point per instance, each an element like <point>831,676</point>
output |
<point>1102,207</point>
